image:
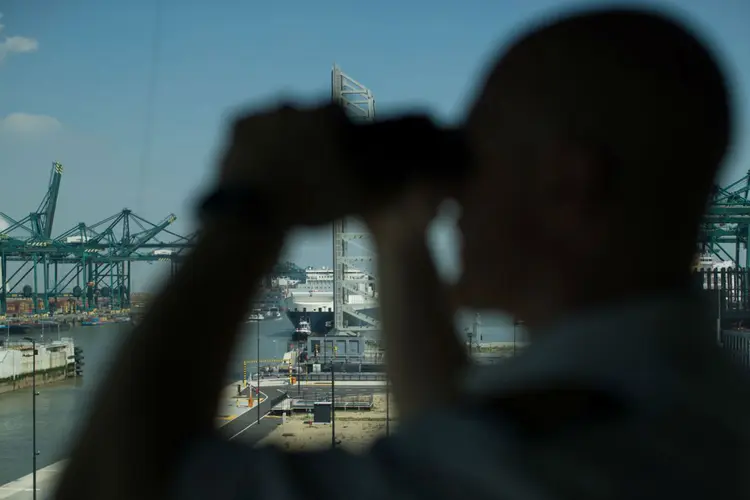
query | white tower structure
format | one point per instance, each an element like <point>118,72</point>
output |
<point>350,289</point>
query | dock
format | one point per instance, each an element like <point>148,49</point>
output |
<point>21,361</point>
<point>300,405</point>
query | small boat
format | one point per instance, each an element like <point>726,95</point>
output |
<point>302,331</point>
<point>273,313</point>
<point>95,322</point>
<point>255,316</point>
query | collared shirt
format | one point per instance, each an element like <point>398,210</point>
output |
<point>664,415</point>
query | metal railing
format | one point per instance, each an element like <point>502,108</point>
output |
<point>344,376</point>
<point>15,342</point>
<point>308,399</point>
<point>737,345</point>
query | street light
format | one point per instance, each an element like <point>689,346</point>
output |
<point>333,402</point>
<point>257,331</point>
<point>6,326</point>
<point>34,394</point>
<point>516,323</point>
<point>387,404</point>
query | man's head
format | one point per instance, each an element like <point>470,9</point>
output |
<point>596,139</point>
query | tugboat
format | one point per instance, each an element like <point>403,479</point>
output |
<point>273,313</point>
<point>302,331</point>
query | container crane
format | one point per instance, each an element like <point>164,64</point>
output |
<point>135,241</point>
<point>38,225</point>
<point>725,229</point>
<point>42,219</point>
<point>91,252</point>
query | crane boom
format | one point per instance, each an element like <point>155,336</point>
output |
<point>43,218</point>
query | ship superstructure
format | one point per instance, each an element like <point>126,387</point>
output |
<point>312,301</point>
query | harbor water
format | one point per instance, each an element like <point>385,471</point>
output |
<point>61,406</point>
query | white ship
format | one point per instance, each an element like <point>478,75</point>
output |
<point>312,301</point>
<point>709,261</point>
<point>712,275</point>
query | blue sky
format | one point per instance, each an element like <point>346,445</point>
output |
<point>83,70</point>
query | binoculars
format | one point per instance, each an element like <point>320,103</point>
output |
<point>410,148</point>
<point>390,155</point>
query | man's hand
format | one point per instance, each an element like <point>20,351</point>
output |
<point>415,310</point>
<point>405,221</point>
<point>290,153</point>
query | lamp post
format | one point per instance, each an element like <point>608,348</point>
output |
<point>718,310</point>
<point>516,323</point>
<point>387,405</point>
<point>33,413</point>
<point>257,331</point>
<point>333,402</point>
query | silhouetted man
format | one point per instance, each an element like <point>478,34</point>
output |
<point>596,138</point>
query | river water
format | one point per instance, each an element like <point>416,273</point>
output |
<point>62,405</point>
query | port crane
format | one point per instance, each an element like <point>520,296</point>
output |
<point>41,221</point>
<point>725,229</point>
<point>83,263</point>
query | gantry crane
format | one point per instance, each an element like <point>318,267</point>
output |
<point>726,226</point>
<point>37,226</point>
<point>97,257</point>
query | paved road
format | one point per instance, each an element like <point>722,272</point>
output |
<point>246,428</point>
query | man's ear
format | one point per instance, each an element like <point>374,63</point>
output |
<point>573,182</point>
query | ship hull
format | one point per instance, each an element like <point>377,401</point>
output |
<point>319,320</point>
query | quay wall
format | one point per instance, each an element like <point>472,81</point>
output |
<point>54,362</point>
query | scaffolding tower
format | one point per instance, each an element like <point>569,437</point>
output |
<point>359,103</point>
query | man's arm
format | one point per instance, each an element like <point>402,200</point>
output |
<point>126,450</point>
<point>425,357</point>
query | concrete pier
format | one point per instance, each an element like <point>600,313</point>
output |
<point>22,488</point>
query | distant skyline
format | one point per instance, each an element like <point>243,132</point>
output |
<point>132,97</point>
